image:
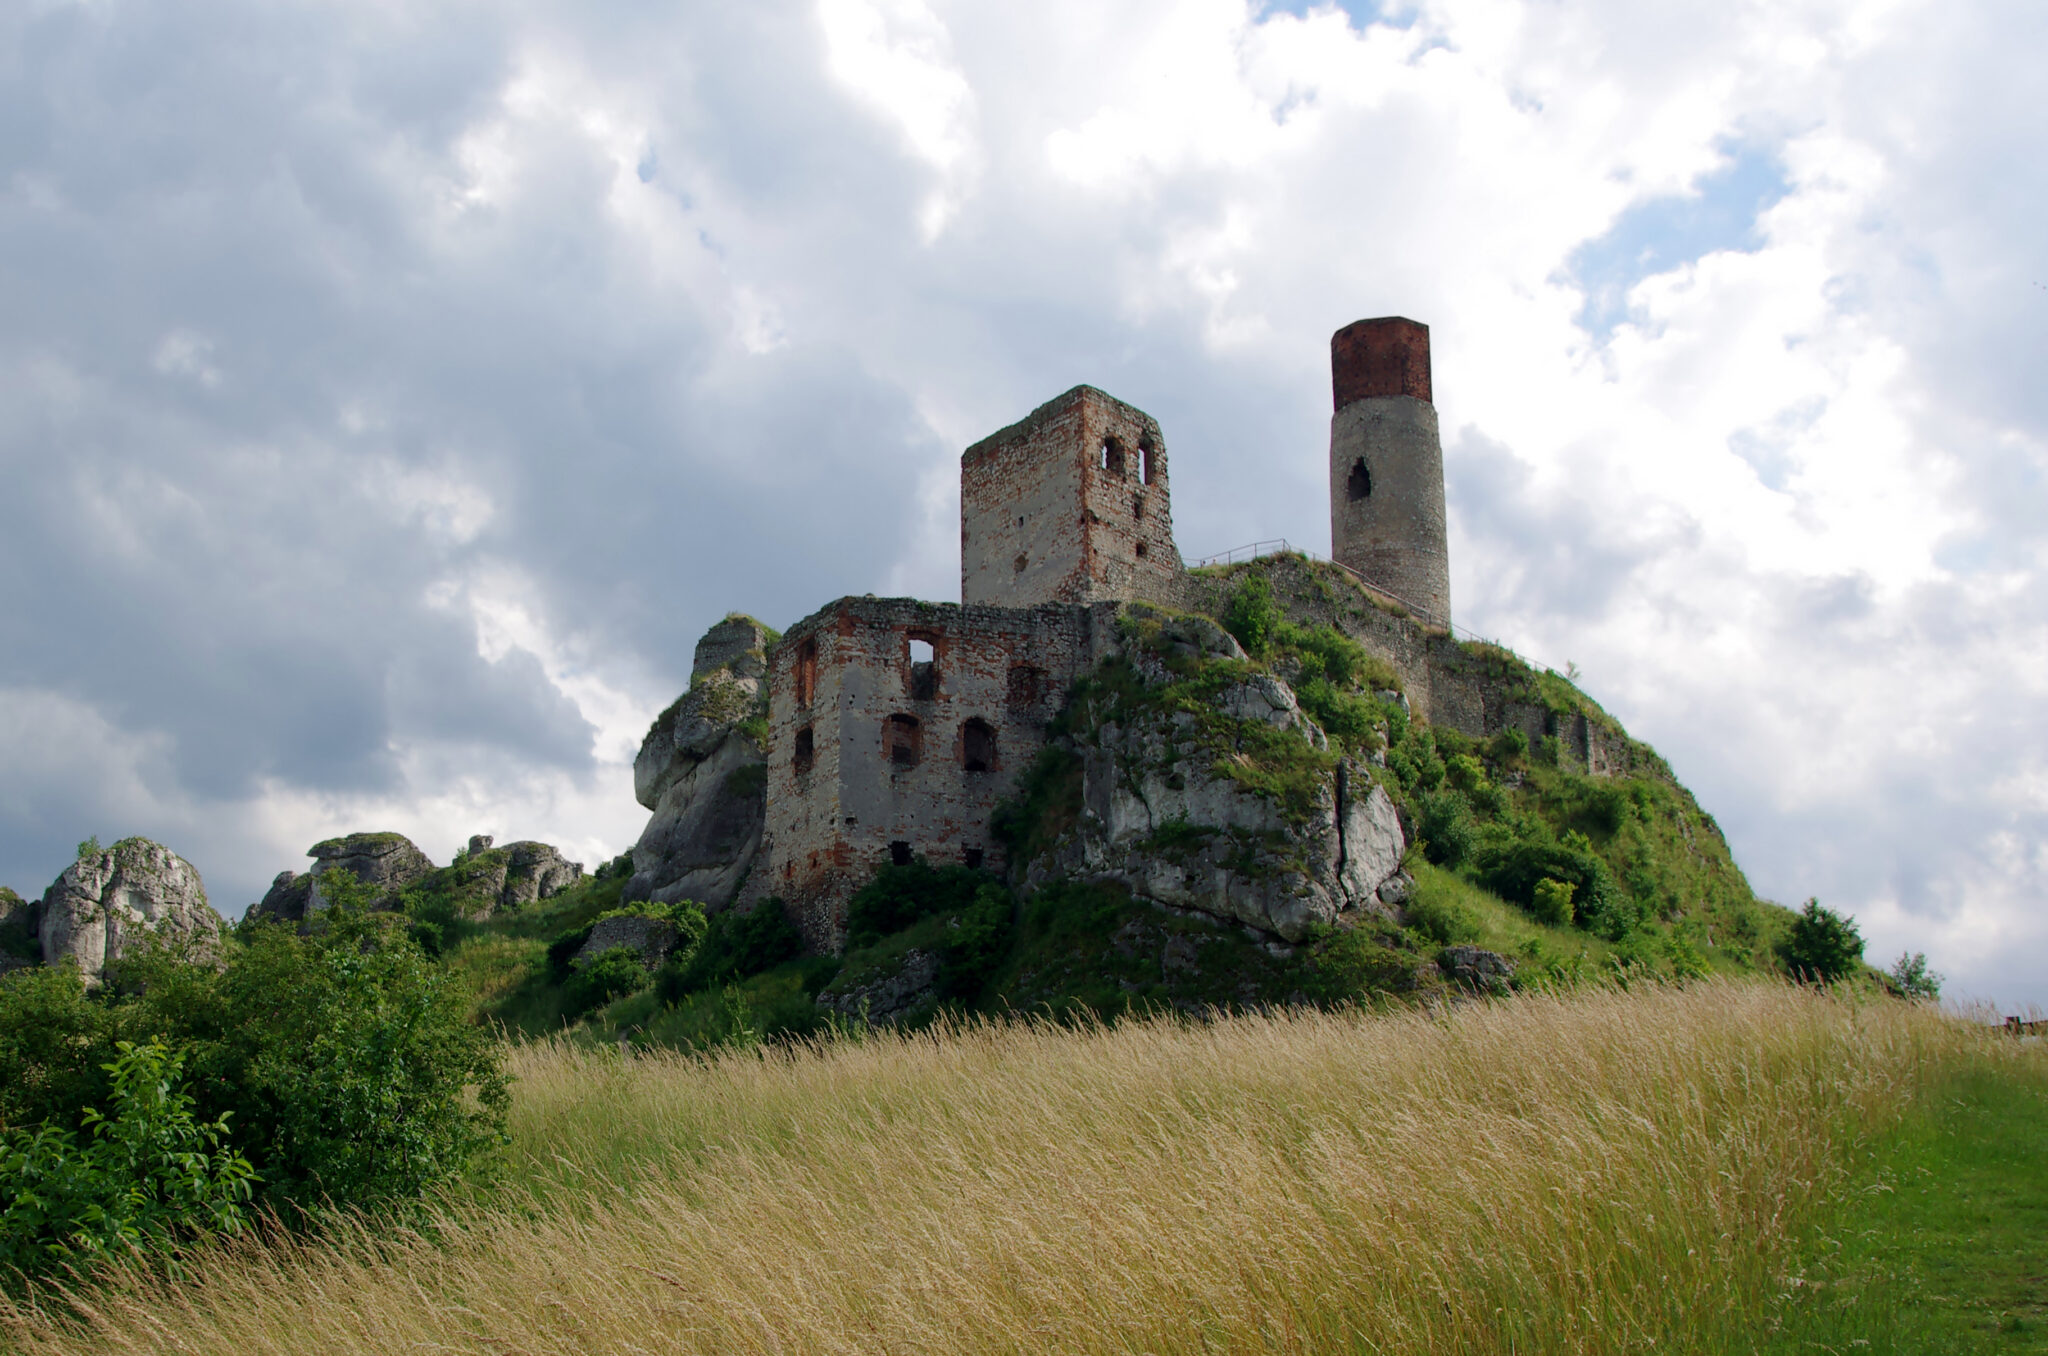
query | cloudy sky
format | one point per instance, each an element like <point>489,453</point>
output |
<point>391,394</point>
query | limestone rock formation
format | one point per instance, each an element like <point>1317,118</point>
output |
<point>1475,967</point>
<point>653,938</point>
<point>386,862</point>
<point>107,901</point>
<point>531,872</point>
<point>1159,817</point>
<point>704,775</point>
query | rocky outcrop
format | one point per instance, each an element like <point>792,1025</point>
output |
<point>489,880</point>
<point>386,862</point>
<point>703,773</point>
<point>883,996</point>
<point>652,938</point>
<point>109,900</point>
<point>1160,816</point>
<point>1476,968</point>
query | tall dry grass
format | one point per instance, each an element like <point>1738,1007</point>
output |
<point>1600,1172</point>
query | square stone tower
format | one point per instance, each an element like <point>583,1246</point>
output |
<point>1069,505</point>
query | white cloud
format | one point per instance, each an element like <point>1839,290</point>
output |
<point>611,320</point>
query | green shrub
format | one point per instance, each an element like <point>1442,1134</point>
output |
<point>1445,828</point>
<point>1552,902</point>
<point>55,1043</point>
<point>1510,746</point>
<point>1512,860</point>
<point>150,1178</point>
<point>610,974</point>
<point>347,1059</point>
<point>1253,616</point>
<point>735,946</point>
<point>1440,918</point>
<point>1821,946</point>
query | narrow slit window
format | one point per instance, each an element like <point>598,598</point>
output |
<point>806,672</point>
<point>924,669</point>
<point>1148,456</point>
<point>805,751</point>
<point>1361,480</point>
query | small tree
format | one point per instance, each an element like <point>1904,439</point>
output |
<point>1553,902</point>
<point>1822,945</point>
<point>1911,978</point>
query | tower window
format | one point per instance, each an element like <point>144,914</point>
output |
<point>1148,456</point>
<point>1112,456</point>
<point>978,746</point>
<point>805,752</point>
<point>1360,485</point>
<point>972,857</point>
<point>899,853</point>
<point>1141,550</point>
<point>806,671</point>
<point>904,740</point>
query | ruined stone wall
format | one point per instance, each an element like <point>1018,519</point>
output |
<point>1387,513</point>
<point>968,723</point>
<point>1470,689</point>
<point>1068,505</point>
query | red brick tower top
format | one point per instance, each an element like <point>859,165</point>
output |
<point>1384,357</point>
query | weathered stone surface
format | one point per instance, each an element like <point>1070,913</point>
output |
<point>704,776</point>
<point>1476,968</point>
<point>480,842</point>
<point>1156,819</point>
<point>883,998</point>
<point>287,899</point>
<point>386,862</point>
<point>653,938</point>
<point>487,880</point>
<point>107,901</point>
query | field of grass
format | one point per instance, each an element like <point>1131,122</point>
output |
<point>1666,1169</point>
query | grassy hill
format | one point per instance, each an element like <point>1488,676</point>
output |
<point>1671,1169</point>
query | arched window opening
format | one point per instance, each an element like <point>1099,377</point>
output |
<point>1361,480</point>
<point>1148,459</point>
<point>806,671</point>
<point>805,752</point>
<point>1112,456</point>
<point>978,746</point>
<point>904,740</point>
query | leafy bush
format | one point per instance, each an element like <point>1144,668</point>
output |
<point>735,946</point>
<point>1512,860</point>
<point>151,1177</point>
<point>610,974</point>
<point>1822,946</point>
<point>55,1043</point>
<point>974,907</point>
<point>1552,902</point>
<point>1445,828</point>
<point>1253,616</point>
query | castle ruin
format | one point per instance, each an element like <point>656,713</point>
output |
<point>896,726</point>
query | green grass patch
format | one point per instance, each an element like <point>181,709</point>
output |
<point>1943,1245</point>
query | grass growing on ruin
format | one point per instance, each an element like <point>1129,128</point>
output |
<point>1600,1172</point>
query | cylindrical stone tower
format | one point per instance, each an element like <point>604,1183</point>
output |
<point>1387,466</point>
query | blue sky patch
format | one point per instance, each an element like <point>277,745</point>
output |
<point>1665,233</point>
<point>1362,13</point>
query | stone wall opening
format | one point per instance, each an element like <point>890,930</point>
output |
<point>806,671</point>
<point>899,853</point>
<point>1360,484</point>
<point>978,746</point>
<point>1111,459</point>
<point>804,751</point>
<point>924,668</point>
<point>903,738</point>
<point>1148,457</point>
